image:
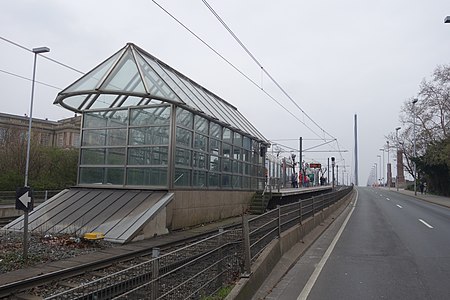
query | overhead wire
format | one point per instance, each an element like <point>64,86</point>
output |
<point>270,76</point>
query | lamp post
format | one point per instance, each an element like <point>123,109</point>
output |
<point>383,173</point>
<point>379,179</point>
<point>414,130</point>
<point>396,177</point>
<point>376,174</point>
<point>36,51</point>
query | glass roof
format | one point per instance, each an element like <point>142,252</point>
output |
<point>133,77</point>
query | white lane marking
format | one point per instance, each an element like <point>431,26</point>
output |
<point>388,199</point>
<point>312,280</point>
<point>426,224</point>
<point>381,195</point>
<point>399,206</point>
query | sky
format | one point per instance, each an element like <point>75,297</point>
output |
<point>333,58</point>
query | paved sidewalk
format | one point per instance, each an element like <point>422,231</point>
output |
<point>440,200</point>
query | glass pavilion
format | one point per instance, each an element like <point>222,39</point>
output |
<point>147,125</point>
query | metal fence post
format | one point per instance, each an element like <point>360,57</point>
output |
<point>279,221</point>
<point>247,253</point>
<point>46,195</point>
<point>219,281</point>
<point>155,274</point>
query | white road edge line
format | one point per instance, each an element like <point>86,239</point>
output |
<point>312,280</point>
<point>426,224</point>
<point>399,206</point>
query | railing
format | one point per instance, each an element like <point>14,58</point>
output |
<point>9,197</point>
<point>200,269</point>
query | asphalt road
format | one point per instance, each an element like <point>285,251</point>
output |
<point>390,246</point>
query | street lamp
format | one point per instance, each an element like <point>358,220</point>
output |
<point>379,156</point>
<point>396,177</point>
<point>447,19</point>
<point>382,174</point>
<point>414,126</point>
<point>376,174</point>
<point>36,51</point>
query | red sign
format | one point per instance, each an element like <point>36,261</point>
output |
<point>315,166</point>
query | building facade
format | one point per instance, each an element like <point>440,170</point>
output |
<point>64,133</point>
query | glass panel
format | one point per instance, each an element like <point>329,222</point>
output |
<point>158,115</point>
<point>213,179</point>
<point>101,119</point>
<point>237,182</point>
<point>201,142</point>
<point>171,83</point>
<point>91,79</point>
<point>148,156</point>
<point>147,176</point>
<point>94,138</point>
<point>184,118</point>
<point>214,163</point>
<point>115,156</point>
<point>237,153</point>
<point>226,150</point>
<point>94,120</point>
<point>131,101</point>
<point>227,135</point>
<point>102,101</point>
<point>154,82</point>
<point>246,155</point>
<point>226,180</point>
<point>191,100</point>
<point>182,157</point>
<point>182,177</point>
<point>226,164</point>
<point>200,160</point>
<point>237,139</point>
<point>215,130</point>
<point>214,146</point>
<point>247,143</point>
<point>247,169</point>
<point>149,136</point>
<point>184,137</point>
<point>116,137</point>
<point>236,166</point>
<point>201,124</point>
<point>199,178</point>
<point>125,76</point>
<point>75,101</point>
<point>245,182</point>
<point>101,176</point>
<point>93,156</point>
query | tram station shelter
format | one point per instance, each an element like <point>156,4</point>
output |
<point>146,126</point>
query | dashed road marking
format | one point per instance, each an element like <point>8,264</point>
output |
<point>399,206</point>
<point>388,199</point>
<point>426,224</point>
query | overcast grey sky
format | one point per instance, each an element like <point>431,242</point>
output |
<point>334,58</point>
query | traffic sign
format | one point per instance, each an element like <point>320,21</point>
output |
<point>315,166</point>
<point>24,199</point>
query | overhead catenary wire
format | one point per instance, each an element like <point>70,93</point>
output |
<point>270,76</point>
<point>232,65</point>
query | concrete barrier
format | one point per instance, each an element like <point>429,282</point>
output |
<point>271,255</point>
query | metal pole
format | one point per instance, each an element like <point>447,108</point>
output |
<point>300,161</point>
<point>388,174</point>
<point>328,172</point>
<point>356,150</point>
<point>396,177</point>
<point>414,125</point>
<point>337,175</point>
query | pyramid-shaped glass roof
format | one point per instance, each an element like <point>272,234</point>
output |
<point>133,77</point>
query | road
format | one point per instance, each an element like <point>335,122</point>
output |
<point>391,246</point>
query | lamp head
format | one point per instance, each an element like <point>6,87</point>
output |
<point>398,128</point>
<point>447,19</point>
<point>415,100</point>
<point>41,50</point>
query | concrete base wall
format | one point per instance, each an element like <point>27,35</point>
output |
<point>190,208</point>
<point>10,211</point>
<point>266,262</point>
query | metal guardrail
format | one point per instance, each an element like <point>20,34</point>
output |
<point>200,269</point>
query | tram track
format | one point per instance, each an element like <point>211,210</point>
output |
<point>100,267</point>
